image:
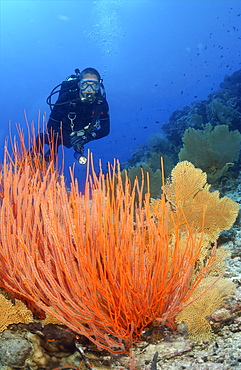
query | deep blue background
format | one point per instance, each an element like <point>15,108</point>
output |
<point>155,56</point>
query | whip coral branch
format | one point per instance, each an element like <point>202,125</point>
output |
<point>98,261</point>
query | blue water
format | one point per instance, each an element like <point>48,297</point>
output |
<point>155,56</point>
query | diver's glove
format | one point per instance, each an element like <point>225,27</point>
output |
<point>81,136</point>
<point>79,148</point>
<point>76,140</point>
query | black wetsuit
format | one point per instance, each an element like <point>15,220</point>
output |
<point>94,116</point>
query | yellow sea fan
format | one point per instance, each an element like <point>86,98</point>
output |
<point>213,149</point>
<point>195,314</point>
<point>13,313</point>
<point>189,191</point>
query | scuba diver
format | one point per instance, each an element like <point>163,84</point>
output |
<point>80,114</point>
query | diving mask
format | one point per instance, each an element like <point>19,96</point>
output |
<point>88,86</point>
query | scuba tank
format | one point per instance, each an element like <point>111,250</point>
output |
<point>70,84</point>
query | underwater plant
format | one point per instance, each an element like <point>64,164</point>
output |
<point>100,262</point>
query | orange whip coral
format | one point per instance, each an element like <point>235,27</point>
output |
<point>98,261</point>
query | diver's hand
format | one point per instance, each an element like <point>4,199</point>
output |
<point>79,148</point>
<point>76,140</point>
<point>81,137</point>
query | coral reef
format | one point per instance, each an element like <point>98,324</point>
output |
<point>88,263</point>
<point>140,172</point>
<point>221,106</point>
<point>212,150</point>
<point>100,262</point>
<point>149,154</point>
